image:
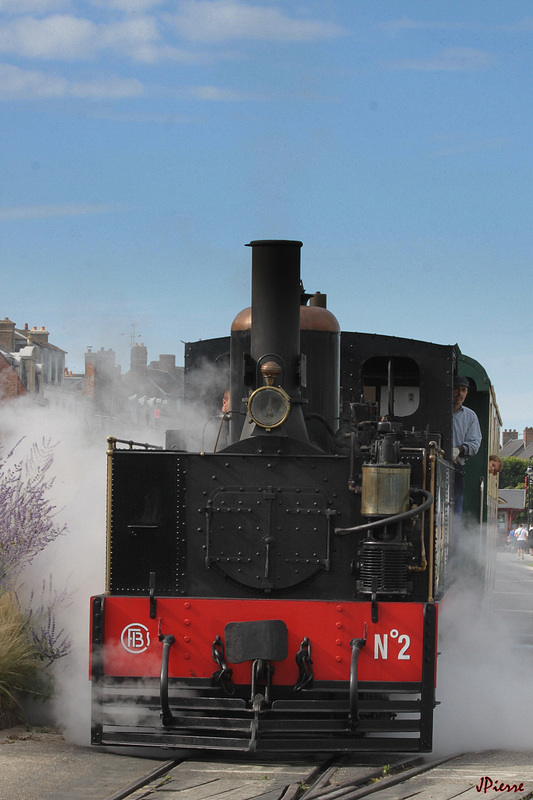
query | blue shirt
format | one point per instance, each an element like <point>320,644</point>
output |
<point>466,431</point>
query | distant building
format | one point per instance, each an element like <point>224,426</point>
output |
<point>10,384</point>
<point>29,363</point>
<point>154,390</point>
<point>148,396</point>
<point>511,502</point>
<point>515,447</point>
<point>102,382</point>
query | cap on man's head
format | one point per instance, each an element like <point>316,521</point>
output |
<point>460,380</point>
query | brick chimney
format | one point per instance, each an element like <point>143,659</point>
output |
<point>90,371</point>
<point>507,435</point>
<point>7,335</point>
<point>167,363</point>
<point>528,436</point>
<point>139,359</point>
<point>39,336</point>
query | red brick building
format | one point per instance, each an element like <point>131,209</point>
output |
<point>10,384</point>
<point>29,362</point>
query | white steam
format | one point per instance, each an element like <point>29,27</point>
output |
<point>199,421</point>
<point>76,560</point>
<point>483,678</point>
<point>483,674</point>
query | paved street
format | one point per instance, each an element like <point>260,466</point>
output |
<point>512,599</point>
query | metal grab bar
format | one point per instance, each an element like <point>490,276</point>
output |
<point>356,645</point>
<point>166,714</point>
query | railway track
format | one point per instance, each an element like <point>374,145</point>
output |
<point>340,778</point>
<point>350,777</point>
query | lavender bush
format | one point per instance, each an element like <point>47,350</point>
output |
<point>27,525</point>
<point>27,521</point>
<point>49,642</point>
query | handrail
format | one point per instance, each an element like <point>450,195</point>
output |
<point>431,553</point>
<point>112,441</point>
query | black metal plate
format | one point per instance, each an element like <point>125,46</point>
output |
<point>246,641</point>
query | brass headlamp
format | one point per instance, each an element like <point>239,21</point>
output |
<point>269,406</point>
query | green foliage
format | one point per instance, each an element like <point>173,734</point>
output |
<point>18,658</point>
<point>513,473</point>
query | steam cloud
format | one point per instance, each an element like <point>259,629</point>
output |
<point>76,560</point>
<point>483,673</point>
<point>483,678</point>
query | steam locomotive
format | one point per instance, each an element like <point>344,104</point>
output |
<point>280,591</point>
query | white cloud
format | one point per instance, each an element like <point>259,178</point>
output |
<point>184,56</point>
<point>219,20</point>
<point>19,84</point>
<point>139,35</point>
<point>451,59</point>
<point>168,119</point>
<point>128,6</point>
<point>63,36</point>
<point>32,6</point>
<point>40,212</point>
<point>397,26</point>
<point>216,93</point>
<point>407,24</point>
<point>136,37</point>
<point>106,87</point>
<point>57,36</point>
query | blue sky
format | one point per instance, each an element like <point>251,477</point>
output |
<point>143,143</point>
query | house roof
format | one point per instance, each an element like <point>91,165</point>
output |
<point>166,383</point>
<point>527,453</point>
<point>512,498</point>
<point>512,448</point>
<point>7,354</point>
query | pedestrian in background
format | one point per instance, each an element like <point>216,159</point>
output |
<point>530,540</point>
<point>521,541</point>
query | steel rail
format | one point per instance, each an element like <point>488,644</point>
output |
<point>360,787</point>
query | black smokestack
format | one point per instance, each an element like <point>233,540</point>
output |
<point>276,306</point>
<point>275,331</point>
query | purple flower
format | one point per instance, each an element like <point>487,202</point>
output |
<point>27,525</point>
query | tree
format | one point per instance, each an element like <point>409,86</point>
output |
<point>513,474</point>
